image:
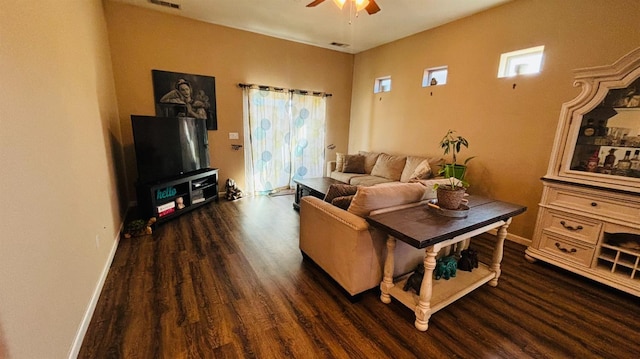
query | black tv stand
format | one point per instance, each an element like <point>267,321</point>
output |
<point>165,199</point>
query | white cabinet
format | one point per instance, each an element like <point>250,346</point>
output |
<point>589,217</point>
<point>589,231</point>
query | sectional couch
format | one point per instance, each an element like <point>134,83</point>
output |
<point>371,168</point>
<point>340,240</point>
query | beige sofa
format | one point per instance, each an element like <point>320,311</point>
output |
<point>371,168</point>
<point>343,244</point>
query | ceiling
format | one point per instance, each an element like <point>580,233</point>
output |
<point>326,23</point>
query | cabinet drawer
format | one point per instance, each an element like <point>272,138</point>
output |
<point>566,249</point>
<point>576,227</point>
<point>590,204</point>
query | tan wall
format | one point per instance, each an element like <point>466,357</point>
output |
<point>172,43</point>
<point>511,130</point>
<point>59,150</point>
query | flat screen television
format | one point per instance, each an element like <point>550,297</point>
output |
<point>167,147</point>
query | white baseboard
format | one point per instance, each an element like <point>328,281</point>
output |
<point>86,320</point>
<point>513,238</point>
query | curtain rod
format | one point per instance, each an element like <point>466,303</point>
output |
<point>280,89</point>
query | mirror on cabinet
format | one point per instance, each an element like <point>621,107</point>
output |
<point>608,140</point>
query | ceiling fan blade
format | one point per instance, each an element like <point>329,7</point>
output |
<point>315,2</point>
<point>372,8</point>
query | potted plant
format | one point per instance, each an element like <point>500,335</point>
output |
<point>450,195</point>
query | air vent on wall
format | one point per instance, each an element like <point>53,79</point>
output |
<point>165,3</point>
<point>339,44</point>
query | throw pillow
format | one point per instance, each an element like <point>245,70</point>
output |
<point>353,164</point>
<point>339,190</point>
<point>342,202</point>
<point>410,167</point>
<point>339,161</point>
<point>369,199</point>
<point>389,167</point>
<point>370,159</point>
<point>422,171</point>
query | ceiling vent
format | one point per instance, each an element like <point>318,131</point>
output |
<point>339,44</point>
<point>165,4</point>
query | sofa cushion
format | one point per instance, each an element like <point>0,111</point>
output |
<point>353,164</point>
<point>423,171</point>
<point>339,161</point>
<point>388,166</point>
<point>415,168</point>
<point>339,190</point>
<point>344,177</point>
<point>368,180</point>
<point>370,159</point>
<point>342,201</point>
<point>368,199</point>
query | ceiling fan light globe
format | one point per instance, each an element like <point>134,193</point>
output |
<point>361,4</point>
<point>340,3</point>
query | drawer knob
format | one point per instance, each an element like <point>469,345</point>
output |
<point>572,250</point>
<point>571,228</point>
<point>594,204</point>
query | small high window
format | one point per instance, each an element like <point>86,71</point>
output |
<point>435,76</point>
<point>382,84</point>
<point>521,62</point>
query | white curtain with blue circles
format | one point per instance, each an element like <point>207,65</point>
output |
<point>284,138</point>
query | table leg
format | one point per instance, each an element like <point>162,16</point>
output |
<point>298,193</point>
<point>498,252</point>
<point>387,278</point>
<point>423,309</point>
<point>460,246</point>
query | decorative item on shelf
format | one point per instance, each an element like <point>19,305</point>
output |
<point>625,163</point>
<point>592,163</point>
<point>610,160</point>
<point>197,196</point>
<point>166,209</point>
<point>415,279</point>
<point>618,136</point>
<point>589,129</point>
<point>635,161</point>
<point>623,141</point>
<point>450,195</point>
<point>446,267</point>
<point>180,203</point>
<point>468,260</point>
<point>166,193</point>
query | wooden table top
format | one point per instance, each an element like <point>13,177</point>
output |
<point>320,184</point>
<point>421,227</point>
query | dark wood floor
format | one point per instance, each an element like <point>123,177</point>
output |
<point>228,281</point>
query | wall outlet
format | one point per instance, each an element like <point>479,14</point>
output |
<point>233,136</point>
<point>97,241</point>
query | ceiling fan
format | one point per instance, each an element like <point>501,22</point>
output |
<point>370,5</point>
